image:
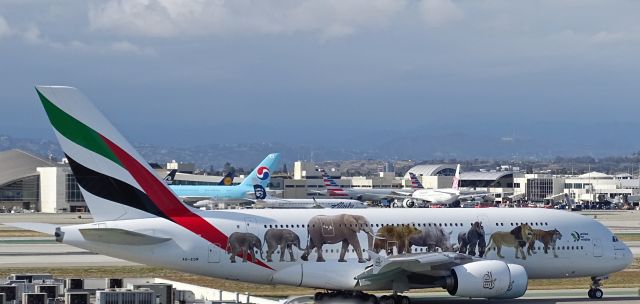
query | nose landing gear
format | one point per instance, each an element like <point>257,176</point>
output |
<point>594,290</point>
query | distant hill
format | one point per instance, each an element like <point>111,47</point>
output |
<point>239,155</point>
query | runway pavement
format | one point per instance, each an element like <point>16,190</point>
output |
<point>45,252</point>
<point>612,295</point>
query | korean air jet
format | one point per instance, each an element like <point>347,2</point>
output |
<point>261,175</point>
<point>226,180</point>
<point>470,253</point>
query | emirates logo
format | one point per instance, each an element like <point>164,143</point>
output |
<point>378,262</point>
<point>488,281</point>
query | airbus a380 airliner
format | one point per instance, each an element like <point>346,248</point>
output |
<point>488,253</point>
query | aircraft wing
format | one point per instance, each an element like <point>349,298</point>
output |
<point>211,202</point>
<point>400,194</point>
<point>467,197</point>
<point>431,264</point>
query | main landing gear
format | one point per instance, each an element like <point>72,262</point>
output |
<point>395,299</point>
<point>594,290</point>
<point>358,297</point>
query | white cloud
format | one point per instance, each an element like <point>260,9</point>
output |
<point>440,12</point>
<point>128,47</point>
<point>601,37</point>
<point>5,30</point>
<point>32,35</point>
<point>169,18</point>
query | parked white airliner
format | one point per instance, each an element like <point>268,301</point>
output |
<point>444,196</point>
<point>488,253</point>
<point>263,200</point>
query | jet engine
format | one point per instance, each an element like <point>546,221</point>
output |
<point>519,282</point>
<point>482,279</point>
<point>408,203</point>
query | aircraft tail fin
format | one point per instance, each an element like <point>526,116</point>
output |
<point>262,173</point>
<point>415,181</point>
<point>227,180</point>
<point>171,176</point>
<point>114,179</point>
<point>259,192</point>
<point>333,189</point>
<point>456,178</point>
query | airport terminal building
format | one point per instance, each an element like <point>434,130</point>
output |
<point>28,182</point>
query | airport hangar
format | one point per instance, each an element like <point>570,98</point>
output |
<point>30,182</point>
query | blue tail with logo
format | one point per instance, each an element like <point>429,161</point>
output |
<point>261,175</point>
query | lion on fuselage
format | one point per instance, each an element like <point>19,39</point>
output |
<point>547,238</point>
<point>517,238</point>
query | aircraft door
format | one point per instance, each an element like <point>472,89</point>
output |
<point>597,248</point>
<point>327,227</point>
<point>214,254</point>
<point>250,225</point>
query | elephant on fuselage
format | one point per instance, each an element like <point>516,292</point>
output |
<point>333,229</point>
<point>283,238</point>
<point>243,243</point>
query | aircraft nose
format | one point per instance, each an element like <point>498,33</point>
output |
<point>628,256</point>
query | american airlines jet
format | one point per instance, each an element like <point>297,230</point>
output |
<point>362,194</point>
<point>488,253</point>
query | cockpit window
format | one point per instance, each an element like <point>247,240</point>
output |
<point>615,239</point>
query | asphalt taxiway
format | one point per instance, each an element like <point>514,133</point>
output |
<point>569,296</point>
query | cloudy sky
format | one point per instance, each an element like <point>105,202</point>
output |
<point>334,71</point>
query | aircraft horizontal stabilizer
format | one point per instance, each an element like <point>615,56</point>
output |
<point>120,237</point>
<point>38,227</point>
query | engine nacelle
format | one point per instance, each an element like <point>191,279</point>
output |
<point>408,203</point>
<point>519,282</point>
<point>482,279</point>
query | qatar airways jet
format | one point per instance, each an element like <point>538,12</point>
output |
<point>486,253</point>
<point>444,196</point>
